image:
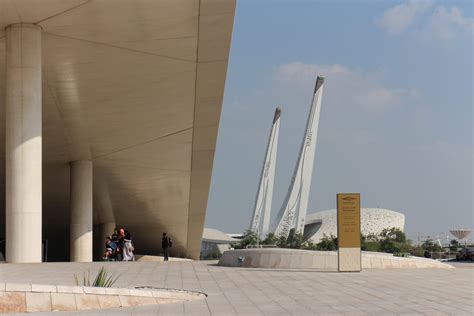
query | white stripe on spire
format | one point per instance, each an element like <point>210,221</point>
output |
<point>263,202</point>
<point>295,206</point>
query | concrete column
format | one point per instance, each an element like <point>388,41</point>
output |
<point>105,229</point>
<point>23,144</point>
<point>81,211</point>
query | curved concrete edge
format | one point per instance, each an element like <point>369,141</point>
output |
<point>28,298</point>
<point>278,258</point>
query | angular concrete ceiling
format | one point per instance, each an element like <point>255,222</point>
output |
<point>137,87</point>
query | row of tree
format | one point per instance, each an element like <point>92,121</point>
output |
<point>294,241</point>
<point>390,240</point>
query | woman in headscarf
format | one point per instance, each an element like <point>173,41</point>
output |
<point>127,247</point>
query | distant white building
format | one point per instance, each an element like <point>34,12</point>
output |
<point>373,221</point>
<point>214,243</point>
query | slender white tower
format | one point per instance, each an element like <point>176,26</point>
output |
<point>296,201</point>
<point>263,202</point>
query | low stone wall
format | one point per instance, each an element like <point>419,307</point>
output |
<point>377,260</point>
<point>27,298</point>
<point>278,258</point>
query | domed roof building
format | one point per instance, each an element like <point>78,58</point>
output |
<point>373,221</point>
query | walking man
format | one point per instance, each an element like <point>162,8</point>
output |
<point>166,243</point>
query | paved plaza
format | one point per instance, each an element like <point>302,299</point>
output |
<point>240,291</point>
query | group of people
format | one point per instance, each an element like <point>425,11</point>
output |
<point>119,246</point>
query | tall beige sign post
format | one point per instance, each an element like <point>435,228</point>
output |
<point>348,232</point>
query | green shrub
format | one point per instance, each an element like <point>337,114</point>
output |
<point>431,246</point>
<point>390,240</point>
<point>417,251</point>
<point>270,240</point>
<point>295,241</point>
<point>393,240</point>
<point>394,234</point>
<point>371,246</point>
<point>248,238</point>
<point>454,245</point>
<point>102,279</point>
<point>327,243</point>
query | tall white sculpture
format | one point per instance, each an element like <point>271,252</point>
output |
<point>296,201</point>
<point>263,202</point>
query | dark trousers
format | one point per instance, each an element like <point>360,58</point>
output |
<point>165,254</point>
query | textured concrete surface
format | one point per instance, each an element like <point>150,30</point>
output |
<point>349,259</point>
<point>136,87</point>
<point>47,298</point>
<point>81,222</point>
<point>372,221</point>
<point>23,142</point>
<point>321,260</point>
<point>239,291</point>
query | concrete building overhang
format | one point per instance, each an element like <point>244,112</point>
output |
<point>136,87</point>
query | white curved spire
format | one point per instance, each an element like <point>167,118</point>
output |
<point>293,211</point>
<point>263,202</point>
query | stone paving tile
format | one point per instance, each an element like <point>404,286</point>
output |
<point>171,309</point>
<point>239,291</point>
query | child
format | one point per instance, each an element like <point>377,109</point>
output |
<point>110,247</point>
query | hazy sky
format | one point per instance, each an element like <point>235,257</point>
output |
<point>396,120</point>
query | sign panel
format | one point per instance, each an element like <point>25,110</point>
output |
<point>348,220</point>
<point>348,231</point>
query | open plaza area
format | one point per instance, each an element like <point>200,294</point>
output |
<point>241,291</point>
<point>140,174</point>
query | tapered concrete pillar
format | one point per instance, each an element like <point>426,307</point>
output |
<point>23,143</point>
<point>81,211</point>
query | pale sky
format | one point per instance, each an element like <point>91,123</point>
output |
<point>396,120</point>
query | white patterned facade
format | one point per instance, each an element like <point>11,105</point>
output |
<point>373,221</point>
